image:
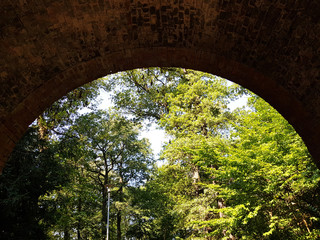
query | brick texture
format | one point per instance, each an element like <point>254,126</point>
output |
<point>48,48</point>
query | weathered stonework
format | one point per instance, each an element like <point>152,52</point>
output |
<point>50,47</point>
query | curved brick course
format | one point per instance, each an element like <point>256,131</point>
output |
<point>48,48</point>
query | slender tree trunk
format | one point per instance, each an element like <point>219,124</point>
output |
<point>119,225</point>
<point>196,179</point>
<point>104,214</point>
<point>79,221</point>
<point>42,128</point>
<point>119,210</point>
<point>221,204</point>
<point>43,133</point>
<point>79,207</point>
<point>104,208</point>
<point>66,234</point>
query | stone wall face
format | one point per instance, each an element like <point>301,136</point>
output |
<point>50,47</point>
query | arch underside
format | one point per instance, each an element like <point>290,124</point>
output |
<point>48,48</point>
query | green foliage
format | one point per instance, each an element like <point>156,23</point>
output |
<point>266,173</point>
<point>37,167</point>
<point>244,174</point>
<point>61,114</point>
<point>32,171</point>
<point>144,92</point>
<point>104,149</point>
<point>110,142</point>
<point>198,106</point>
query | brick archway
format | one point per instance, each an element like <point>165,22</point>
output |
<point>48,48</point>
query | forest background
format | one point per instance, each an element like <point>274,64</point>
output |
<point>239,173</point>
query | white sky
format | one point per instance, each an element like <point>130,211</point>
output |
<point>156,136</point>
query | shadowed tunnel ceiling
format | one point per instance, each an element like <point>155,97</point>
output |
<point>49,47</point>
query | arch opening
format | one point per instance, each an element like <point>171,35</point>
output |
<point>16,123</point>
<point>200,191</point>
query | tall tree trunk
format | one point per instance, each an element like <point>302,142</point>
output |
<point>43,130</point>
<point>66,234</point>
<point>79,221</point>
<point>119,211</point>
<point>119,225</point>
<point>221,204</point>
<point>104,219</point>
<point>43,133</point>
<point>79,207</point>
<point>105,189</point>
<point>104,214</point>
<point>196,179</point>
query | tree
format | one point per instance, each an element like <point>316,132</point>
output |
<point>228,175</point>
<point>152,212</point>
<point>60,115</point>
<point>29,174</point>
<point>193,110</point>
<point>107,150</point>
<point>198,119</point>
<point>247,170</point>
<point>274,187</point>
<point>36,168</point>
<point>143,92</point>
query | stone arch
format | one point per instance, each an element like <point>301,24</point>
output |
<point>48,48</point>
